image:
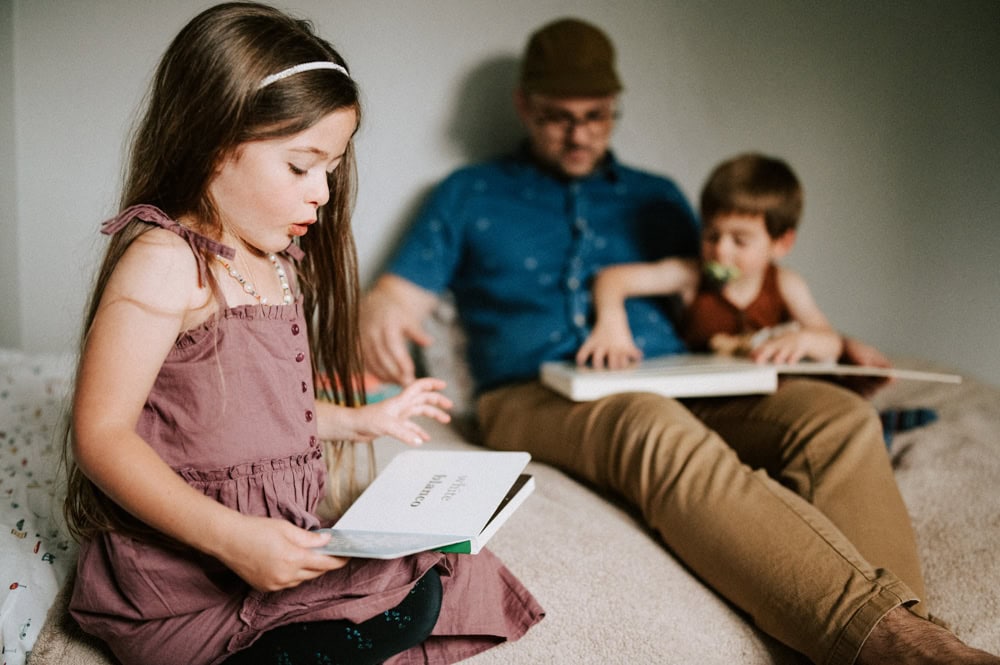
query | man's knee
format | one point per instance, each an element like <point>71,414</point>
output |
<point>822,405</point>
<point>649,439</point>
<point>838,430</point>
<point>642,416</point>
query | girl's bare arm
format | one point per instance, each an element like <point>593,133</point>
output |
<point>149,298</point>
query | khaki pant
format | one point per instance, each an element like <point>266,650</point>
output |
<point>785,504</point>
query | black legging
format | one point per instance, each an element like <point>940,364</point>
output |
<point>345,643</point>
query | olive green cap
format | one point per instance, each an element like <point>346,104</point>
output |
<point>570,58</point>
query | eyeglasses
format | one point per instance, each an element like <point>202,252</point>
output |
<point>563,122</point>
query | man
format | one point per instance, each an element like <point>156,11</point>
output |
<point>785,504</point>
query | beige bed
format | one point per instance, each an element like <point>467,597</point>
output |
<point>614,595</point>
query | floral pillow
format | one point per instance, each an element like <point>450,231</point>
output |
<point>35,552</point>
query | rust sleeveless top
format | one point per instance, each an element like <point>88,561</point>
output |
<point>710,313</point>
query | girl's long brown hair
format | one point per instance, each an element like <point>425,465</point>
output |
<point>203,103</point>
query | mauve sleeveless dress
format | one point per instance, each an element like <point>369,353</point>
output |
<point>232,412</point>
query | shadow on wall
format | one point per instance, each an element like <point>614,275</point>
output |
<point>483,122</point>
<point>483,125</point>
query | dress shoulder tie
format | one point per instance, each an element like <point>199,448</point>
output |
<point>153,215</point>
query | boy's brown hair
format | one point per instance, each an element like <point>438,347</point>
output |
<point>754,184</point>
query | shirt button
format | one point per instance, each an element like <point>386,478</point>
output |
<point>309,416</point>
<point>299,357</point>
<point>312,442</point>
<point>305,388</point>
<point>295,329</point>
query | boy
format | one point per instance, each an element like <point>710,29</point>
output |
<point>737,299</point>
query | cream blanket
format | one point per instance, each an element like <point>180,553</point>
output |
<point>614,595</point>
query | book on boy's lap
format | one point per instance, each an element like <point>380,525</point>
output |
<point>450,501</point>
<point>702,375</point>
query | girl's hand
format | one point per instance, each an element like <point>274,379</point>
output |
<point>393,416</point>
<point>272,554</point>
<point>610,346</point>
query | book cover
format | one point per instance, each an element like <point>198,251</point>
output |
<point>452,501</point>
<point>681,375</point>
<point>701,375</point>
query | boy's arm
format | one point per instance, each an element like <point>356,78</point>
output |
<point>610,343</point>
<point>667,276</point>
<point>816,339</point>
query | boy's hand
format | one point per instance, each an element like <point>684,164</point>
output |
<point>793,346</point>
<point>609,346</point>
<point>859,353</point>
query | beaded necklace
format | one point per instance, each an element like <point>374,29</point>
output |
<point>248,287</point>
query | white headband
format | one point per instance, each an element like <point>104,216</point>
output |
<point>304,67</point>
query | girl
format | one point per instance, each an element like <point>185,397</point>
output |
<point>228,287</point>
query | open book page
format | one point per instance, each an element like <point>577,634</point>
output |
<point>702,375</point>
<point>522,488</point>
<point>838,369</point>
<point>379,545</point>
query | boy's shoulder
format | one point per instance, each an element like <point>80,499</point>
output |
<point>789,280</point>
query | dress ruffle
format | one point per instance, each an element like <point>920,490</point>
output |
<point>289,487</point>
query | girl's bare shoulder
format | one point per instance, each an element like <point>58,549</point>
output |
<point>159,269</point>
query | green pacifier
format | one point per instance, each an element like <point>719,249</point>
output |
<point>719,273</point>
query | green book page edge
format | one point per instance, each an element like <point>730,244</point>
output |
<point>464,547</point>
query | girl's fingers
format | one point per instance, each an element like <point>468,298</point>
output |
<point>410,434</point>
<point>435,413</point>
<point>322,563</point>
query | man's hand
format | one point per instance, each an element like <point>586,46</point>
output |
<point>392,316</point>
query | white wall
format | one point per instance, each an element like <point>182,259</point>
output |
<point>9,320</point>
<point>890,114</point>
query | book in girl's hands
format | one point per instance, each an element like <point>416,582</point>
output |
<point>450,501</point>
<point>702,375</point>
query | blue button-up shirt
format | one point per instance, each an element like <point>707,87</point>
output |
<point>519,249</point>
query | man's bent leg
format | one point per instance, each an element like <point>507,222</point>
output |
<point>757,543</point>
<point>825,443</point>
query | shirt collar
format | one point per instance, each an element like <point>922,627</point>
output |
<point>609,169</point>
